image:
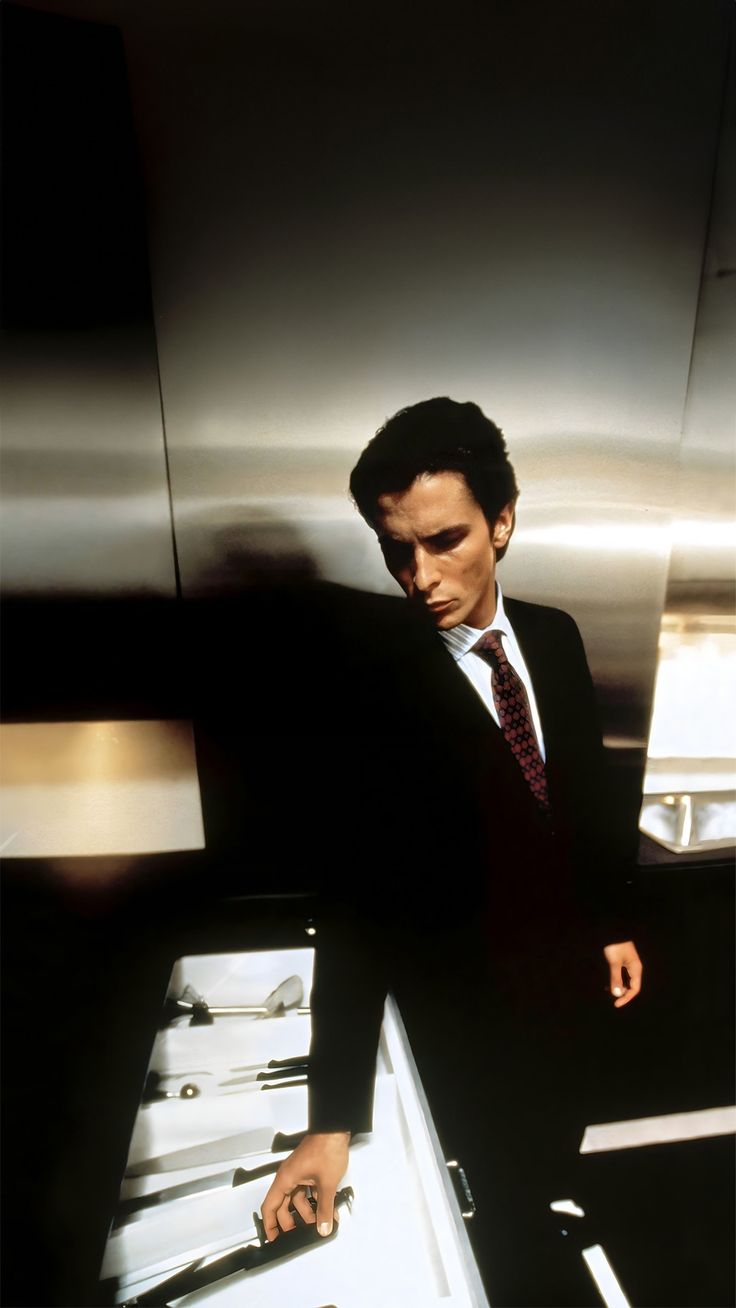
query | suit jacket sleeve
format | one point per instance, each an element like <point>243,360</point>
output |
<point>348,994</point>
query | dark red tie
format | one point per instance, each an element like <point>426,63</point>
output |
<point>514,716</point>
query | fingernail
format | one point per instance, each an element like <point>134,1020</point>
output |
<point>617,991</point>
<point>324,1228</point>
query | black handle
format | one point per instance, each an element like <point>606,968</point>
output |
<point>303,1236</point>
<point>243,1174</point>
<point>281,1070</point>
<point>285,1143</point>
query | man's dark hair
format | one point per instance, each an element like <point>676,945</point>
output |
<point>437,435</point>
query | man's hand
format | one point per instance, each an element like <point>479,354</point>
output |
<point>320,1161</point>
<point>623,956</point>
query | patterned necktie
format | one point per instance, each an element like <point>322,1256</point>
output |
<point>514,716</point>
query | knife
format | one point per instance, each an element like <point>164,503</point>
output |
<point>298,1060</point>
<point>196,1277</point>
<point>152,1091</point>
<point>128,1210</point>
<point>257,1141</point>
<point>288,994</point>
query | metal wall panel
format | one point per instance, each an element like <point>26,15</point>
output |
<point>511,208</point>
<point>690,782</point>
<point>351,212</point>
<point>85,494</point>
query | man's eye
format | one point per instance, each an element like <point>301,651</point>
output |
<point>394,552</point>
<point>449,541</point>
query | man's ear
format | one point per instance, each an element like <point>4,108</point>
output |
<point>503,526</point>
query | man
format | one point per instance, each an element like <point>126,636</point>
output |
<point>499,871</point>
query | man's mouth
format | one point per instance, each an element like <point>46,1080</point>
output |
<point>440,607</point>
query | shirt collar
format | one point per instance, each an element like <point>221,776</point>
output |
<point>459,640</point>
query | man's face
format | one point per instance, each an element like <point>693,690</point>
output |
<point>437,543</point>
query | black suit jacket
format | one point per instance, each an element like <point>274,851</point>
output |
<point>457,877</point>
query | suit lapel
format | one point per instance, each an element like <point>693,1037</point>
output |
<point>468,713</point>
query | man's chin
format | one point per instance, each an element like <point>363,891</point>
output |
<point>446,619</point>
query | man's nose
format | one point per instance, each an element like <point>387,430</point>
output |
<point>425,573</point>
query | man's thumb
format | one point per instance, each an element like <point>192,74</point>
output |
<point>325,1211</point>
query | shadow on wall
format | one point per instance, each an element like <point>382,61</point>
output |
<point>76,656</point>
<point>258,550</point>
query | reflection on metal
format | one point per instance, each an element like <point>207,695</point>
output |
<point>690,785</point>
<point>70,788</point>
<point>86,502</point>
<point>574,334</point>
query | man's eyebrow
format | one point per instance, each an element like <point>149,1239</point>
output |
<point>386,537</point>
<point>448,531</point>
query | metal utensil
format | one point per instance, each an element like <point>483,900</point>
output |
<point>287,995</point>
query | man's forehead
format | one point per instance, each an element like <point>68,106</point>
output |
<point>433,503</point>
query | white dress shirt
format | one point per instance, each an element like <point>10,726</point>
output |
<point>460,640</point>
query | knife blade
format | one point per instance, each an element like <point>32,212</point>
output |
<point>131,1210</point>
<point>197,1277</point>
<point>257,1141</point>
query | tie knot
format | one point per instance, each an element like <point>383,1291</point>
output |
<point>490,644</point>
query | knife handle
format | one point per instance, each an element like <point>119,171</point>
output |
<point>286,1143</point>
<point>282,1070</point>
<point>243,1174</point>
<point>194,1277</point>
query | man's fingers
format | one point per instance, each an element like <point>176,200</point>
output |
<point>303,1206</point>
<point>616,981</point>
<point>625,982</point>
<point>634,974</point>
<point>625,998</point>
<point>624,971</point>
<point>284,1215</point>
<point>325,1209</point>
<point>270,1206</point>
<point>275,1206</point>
<point>319,1161</point>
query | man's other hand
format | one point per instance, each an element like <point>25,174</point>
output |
<point>320,1161</point>
<point>623,956</point>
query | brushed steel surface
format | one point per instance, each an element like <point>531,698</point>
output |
<point>335,234</point>
<point>85,498</point>
<point>690,781</point>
